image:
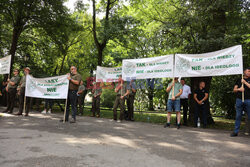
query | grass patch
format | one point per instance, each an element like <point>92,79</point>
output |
<point>159,117</point>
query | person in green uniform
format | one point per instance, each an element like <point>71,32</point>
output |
<point>122,92</point>
<point>80,99</point>
<point>130,100</point>
<point>21,93</point>
<point>74,82</point>
<point>175,90</point>
<point>96,91</point>
<point>11,91</point>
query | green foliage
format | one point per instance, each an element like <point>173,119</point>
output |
<point>51,39</point>
<point>108,98</point>
<point>222,96</point>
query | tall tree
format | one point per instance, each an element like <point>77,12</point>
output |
<point>24,14</point>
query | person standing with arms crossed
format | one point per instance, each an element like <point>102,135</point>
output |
<point>175,90</point>
<point>200,97</point>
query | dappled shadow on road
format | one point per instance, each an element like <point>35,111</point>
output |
<point>202,147</point>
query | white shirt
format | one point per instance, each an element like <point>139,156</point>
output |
<point>186,91</point>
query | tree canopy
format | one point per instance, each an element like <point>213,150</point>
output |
<point>49,38</point>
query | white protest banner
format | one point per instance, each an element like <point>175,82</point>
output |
<point>5,65</point>
<point>153,67</point>
<point>48,88</point>
<point>107,74</point>
<point>223,62</point>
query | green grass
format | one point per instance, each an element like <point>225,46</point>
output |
<point>158,117</point>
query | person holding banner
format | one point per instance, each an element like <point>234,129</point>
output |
<point>175,90</point>
<point>242,99</point>
<point>96,91</point>
<point>21,93</point>
<point>200,97</point>
<point>74,82</point>
<point>11,91</point>
<point>122,92</point>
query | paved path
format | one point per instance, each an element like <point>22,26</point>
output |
<point>42,141</point>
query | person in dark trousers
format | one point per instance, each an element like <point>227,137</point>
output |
<point>122,92</point>
<point>96,91</point>
<point>184,99</point>
<point>48,106</point>
<point>80,97</point>
<point>240,104</point>
<point>201,100</point>
<point>3,91</point>
<point>130,100</point>
<point>74,82</point>
<point>21,93</point>
<point>11,91</point>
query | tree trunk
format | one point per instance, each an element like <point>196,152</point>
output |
<point>195,85</point>
<point>15,36</point>
<point>64,56</point>
<point>100,56</point>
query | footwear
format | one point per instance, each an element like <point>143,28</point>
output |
<point>246,133</point>
<point>167,125</point>
<point>72,121</point>
<point>98,116</point>
<point>234,134</point>
<point>9,112</point>
<point>43,112</point>
<point>119,121</point>
<point>26,114</point>
<point>63,120</point>
<point>92,116</point>
<point>178,126</point>
<point>18,113</point>
<point>5,111</point>
<point>49,112</point>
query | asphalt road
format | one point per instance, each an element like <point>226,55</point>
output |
<point>42,141</point>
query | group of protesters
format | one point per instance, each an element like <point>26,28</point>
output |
<point>178,95</point>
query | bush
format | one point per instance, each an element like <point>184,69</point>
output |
<point>108,98</point>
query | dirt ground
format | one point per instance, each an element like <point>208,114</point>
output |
<point>40,140</point>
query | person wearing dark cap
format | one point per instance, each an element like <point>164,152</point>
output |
<point>242,85</point>
<point>21,93</point>
<point>122,92</point>
<point>11,91</point>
